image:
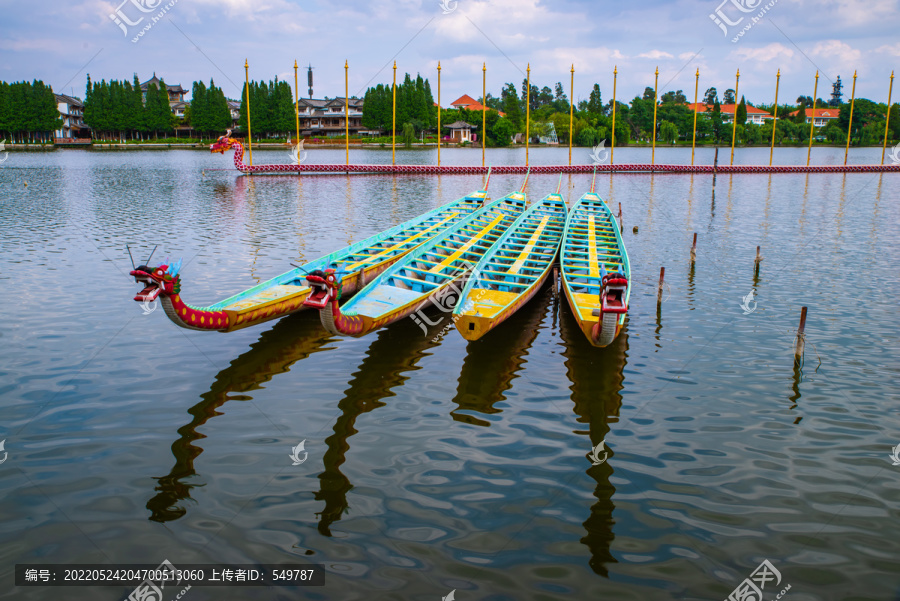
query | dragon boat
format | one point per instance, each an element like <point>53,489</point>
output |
<point>359,263</point>
<point>513,270</point>
<point>226,142</point>
<point>595,269</point>
<point>425,276</point>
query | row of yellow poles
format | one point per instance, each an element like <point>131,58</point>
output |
<point>572,114</point>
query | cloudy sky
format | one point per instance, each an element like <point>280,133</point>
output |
<point>60,42</point>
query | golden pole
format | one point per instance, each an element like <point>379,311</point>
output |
<point>439,114</point>
<point>812,122</point>
<point>249,135</point>
<point>655,96</point>
<point>483,110</point>
<point>775,120</point>
<point>571,111</point>
<point>850,125</point>
<point>887,118</point>
<point>694,139</point>
<point>612,149</point>
<point>527,111</point>
<point>347,107</point>
<point>734,115</point>
<point>297,109</point>
<point>394,120</point>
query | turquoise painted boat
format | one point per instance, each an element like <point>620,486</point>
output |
<point>282,295</point>
<point>513,270</point>
<point>595,269</point>
<point>424,277</point>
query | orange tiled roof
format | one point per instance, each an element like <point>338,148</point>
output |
<point>727,109</point>
<point>467,102</point>
<point>829,113</point>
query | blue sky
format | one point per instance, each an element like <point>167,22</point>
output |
<point>202,39</point>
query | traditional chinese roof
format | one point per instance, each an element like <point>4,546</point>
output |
<point>459,125</point>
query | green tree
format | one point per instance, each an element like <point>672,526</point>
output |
<point>741,112</point>
<point>503,131</point>
<point>668,132</point>
<point>409,135</point>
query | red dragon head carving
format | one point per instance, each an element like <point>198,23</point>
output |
<point>326,286</point>
<point>222,144</point>
<point>163,280</point>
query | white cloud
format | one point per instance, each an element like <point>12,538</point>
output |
<point>888,49</point>
<point>656,54</point>
<point>765,53</point>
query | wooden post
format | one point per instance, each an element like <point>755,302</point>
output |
<point>694,139</point>
<point>297,110</point>
<point>249,134</point>
<point>394,120</point>
<point>439,114</point>
<point>612,148</point>
<point>850,125</point>
<point>887,119</point>
<point>484,110</point>
<point>659,289</point>
<point>571,110</point>
<point>737,81</point>
<point>812,121</point>
<point>757,260</point>
<point>694,249</point>
<point>527,112</point>
<point>347,107</point>
<point>655,103</point>
<point>775,119</point>
<point>800,341</point>
<point>621,225</point>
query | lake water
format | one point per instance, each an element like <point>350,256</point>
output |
<point>439,466</point>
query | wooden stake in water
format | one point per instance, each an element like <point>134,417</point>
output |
<point>621,225</point>
<point>659,289</point>
<point>694,249</point>
<point>757,260</point>
<point>799,343</point>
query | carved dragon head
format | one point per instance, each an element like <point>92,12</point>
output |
<point>223,143</point>
<point>326,286</point>
<point>163,280</point>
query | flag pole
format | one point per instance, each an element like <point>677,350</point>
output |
<point>484,110</point>
<point>887,119</point>
<point>775,121</point>
<point>571,111</point>
<point>297,109</point>
<point>737,81</point>
<point>812,121</point>
<point>850,125</point>
<point>655,103</point>
<point>527,112</point>
<point>347,107</point>
<point>612,148</point>
<point>394,120</point>
<point>694,139</point>
<point>249,134</point>
<point>439,114</point>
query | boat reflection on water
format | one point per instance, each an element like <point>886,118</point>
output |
<point>290,340</point>
<point>396,351</point>
<point>492,362</point>
<point>596,376</point>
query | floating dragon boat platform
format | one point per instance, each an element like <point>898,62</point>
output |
<point>225,143</point>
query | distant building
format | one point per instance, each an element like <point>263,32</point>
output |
<point>823,116</point>
<point>71,110</point>
<point>179,107</point>
<point>325,118</point>
<point>754,115</point>
<point>470,104</point>
<point>460,131</point>
<point>235,107</point>
<point>176,92</point>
